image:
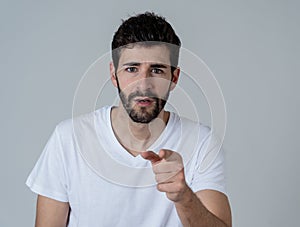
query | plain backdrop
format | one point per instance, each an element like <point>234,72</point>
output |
<point>252,47</point>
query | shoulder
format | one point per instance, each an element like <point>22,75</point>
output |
<point>68,126</point>
<point>191,128</point>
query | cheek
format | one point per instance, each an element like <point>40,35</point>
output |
<point>162,87</point>
<point>127,87</point>
<point>127,83</point>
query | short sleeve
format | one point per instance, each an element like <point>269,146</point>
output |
<point>48,177</point>
<point>209,172</point>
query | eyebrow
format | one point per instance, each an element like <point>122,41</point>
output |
<point>155,65</point>
<point>132,64</point>
<point>158,66</point>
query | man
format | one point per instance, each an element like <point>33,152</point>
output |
<point>137,133</point>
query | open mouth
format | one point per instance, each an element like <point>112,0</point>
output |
<point>144,101</point>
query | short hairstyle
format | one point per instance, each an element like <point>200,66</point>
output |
<point>142,28</point>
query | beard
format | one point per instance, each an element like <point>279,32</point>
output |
<point>143,114</point>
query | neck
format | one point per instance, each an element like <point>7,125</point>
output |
<point>136,137</point>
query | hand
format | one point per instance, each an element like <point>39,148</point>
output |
<point>169,173</point>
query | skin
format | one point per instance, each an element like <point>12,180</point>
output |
<point>203,208</point>
<point>145,75</point>
<point>51,213</point>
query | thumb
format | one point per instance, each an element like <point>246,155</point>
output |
<point>165,154</point>
<point>151,156</point>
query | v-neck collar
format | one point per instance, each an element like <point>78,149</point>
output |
<point>117,151</point>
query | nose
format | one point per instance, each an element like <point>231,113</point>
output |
<point>145,80</point>
<point>144,72</point>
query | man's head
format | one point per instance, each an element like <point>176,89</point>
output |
<point>144,69</point>
<point>145,29</point>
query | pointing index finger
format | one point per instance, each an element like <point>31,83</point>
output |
<point>151,156</point>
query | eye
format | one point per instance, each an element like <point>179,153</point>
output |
<point>131,69</point>
<point>157,71</point>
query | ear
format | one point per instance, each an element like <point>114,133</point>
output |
<point>113,74</point>
<point>175,78</point>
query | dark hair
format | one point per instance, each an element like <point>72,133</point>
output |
<point>142,28</point>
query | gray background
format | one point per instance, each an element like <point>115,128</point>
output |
<point>252,47</point>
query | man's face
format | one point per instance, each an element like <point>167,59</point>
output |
<point>144,82</point>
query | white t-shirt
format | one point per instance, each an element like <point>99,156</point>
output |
<point>65,174</point>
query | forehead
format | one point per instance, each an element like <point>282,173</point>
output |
<point>151,54</point>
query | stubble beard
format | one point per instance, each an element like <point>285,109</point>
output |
<point>140,114</point>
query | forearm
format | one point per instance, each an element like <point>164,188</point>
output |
<point>169,175</point>
<point>193,213</point>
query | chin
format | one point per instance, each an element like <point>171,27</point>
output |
<point>142,116</point>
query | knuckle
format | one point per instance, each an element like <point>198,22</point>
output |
<point>155,169</point>
<point>157,178</point>
<point>159,187</point>
<point>179,186</point>
<point>181,177</point>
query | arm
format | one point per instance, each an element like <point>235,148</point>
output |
<point>204,208</point>
<point>51,213</point>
